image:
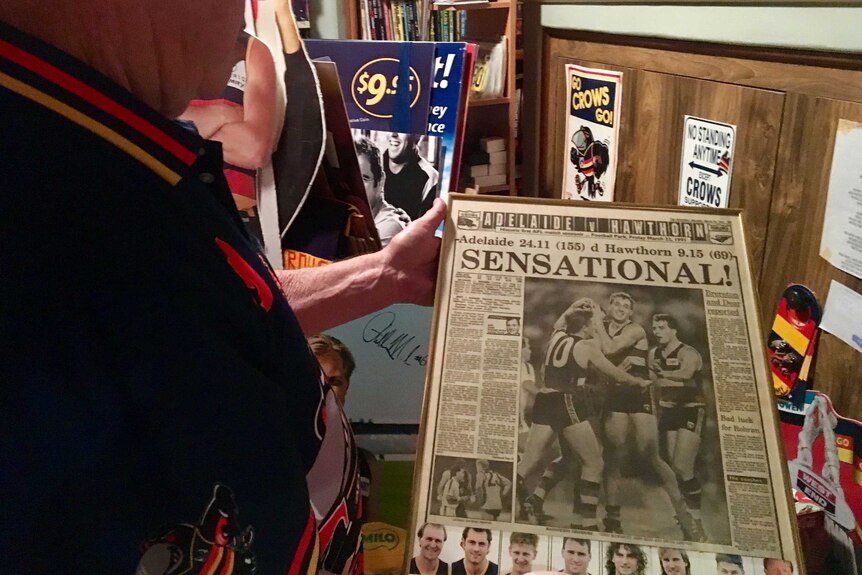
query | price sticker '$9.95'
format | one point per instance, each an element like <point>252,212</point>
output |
<point>375,85</point>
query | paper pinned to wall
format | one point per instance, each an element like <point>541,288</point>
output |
<point>843,317</point>
<point>841,241</point>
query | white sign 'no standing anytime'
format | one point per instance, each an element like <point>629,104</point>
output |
<point>707,163</point>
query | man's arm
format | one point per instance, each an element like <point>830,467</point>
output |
<point>405,271</point>
<point>209,119</point>
<point>689,363</point>
<point>594,356</point>
<point>582,304</point>
<point>630,335</point>
<point>507,485</point>
<point>248,143</point>
<point>290,39</point>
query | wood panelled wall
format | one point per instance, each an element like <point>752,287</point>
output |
<point>785,106</point>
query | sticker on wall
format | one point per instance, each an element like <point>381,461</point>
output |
<point>592,133</point>
<point>707,163</point>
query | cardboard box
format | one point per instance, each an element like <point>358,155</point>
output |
<point>495,169</point>
<point>474,171</point>
<point>487,181</point>
<point>492,144</point>
<point>498,157</point>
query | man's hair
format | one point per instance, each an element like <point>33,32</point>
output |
<point>576,321</point>
<point>766,563</point>
<point>367,148</point>
<point>683,554</point>
<point>584,542</point>
<point>515,319</point>
<point>477,530</point>
<point>321,344</point>
<point>666,317</point>
<point>421,531</point>
<point>622,295</point>
<point>640,556</point>
<point>524,539</point>
<point>729,558</point>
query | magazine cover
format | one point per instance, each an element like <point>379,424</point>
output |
<point>596,376</point>
<point>373,79</point>
<point>337,220</point>
<point>592,133</point>
<point>407,179</point>
<point>398,134</point>
<point>448,112</point>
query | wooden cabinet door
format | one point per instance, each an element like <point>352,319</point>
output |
<point>792,252</point>
<point>652,115</point>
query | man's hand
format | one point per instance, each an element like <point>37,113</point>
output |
<point>405,271</point>
<point>640,382</point>
<point>598,316</point>
<point>626,364</point>
<point>583,304</point>
<point>412,257</point>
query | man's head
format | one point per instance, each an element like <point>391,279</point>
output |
<point>624,559</point>
<point>727,564</point>
<point>580,316</point>
<point>674,562</point>
<point>513,326</point>
<point>777,567</point>
<point>371,169</point>
<point>576,555</point>
<point>431,538</point>
<point>402,147</point>
<point>664,328</point>
<point>165,52</point>
<point>476,544</point>
<point>526,350</point>
<point>621,306</point>
<point>335,360</point>
<point>522,552</point>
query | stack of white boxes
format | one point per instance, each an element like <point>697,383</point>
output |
<point>489,166</point>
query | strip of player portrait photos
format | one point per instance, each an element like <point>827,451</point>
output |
<point>598,400</point>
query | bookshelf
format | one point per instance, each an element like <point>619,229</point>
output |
<point>486,117</point>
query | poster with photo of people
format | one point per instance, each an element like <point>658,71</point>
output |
<point>604,364</point>
<point>652,449</point>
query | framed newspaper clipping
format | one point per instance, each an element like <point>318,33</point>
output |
<point>598,399</point>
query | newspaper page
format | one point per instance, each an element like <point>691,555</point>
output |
<point>598,396</point>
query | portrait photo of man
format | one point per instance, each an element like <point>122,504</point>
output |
<point>728,564</point>
<point>513,326</point>
<point>577,554</point>
<point>523,548</point>
<point>431,537</point>
<point>476,544</point>
<point>625,559</point>
<point>777,567</point>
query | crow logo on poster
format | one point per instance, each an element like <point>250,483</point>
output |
<point>591,128</point>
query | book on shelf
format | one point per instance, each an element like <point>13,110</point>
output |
<point>489,70</point>
<point>459,2</point>
<point>397,20</point>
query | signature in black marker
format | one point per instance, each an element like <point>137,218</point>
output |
<point>398,345</point>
